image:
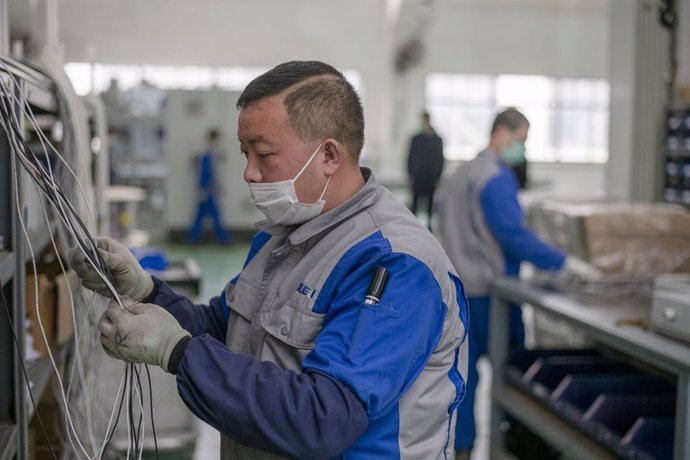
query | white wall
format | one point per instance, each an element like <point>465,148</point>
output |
<point>551,37</point>
<point>347,34</point>
<point>562,180</point>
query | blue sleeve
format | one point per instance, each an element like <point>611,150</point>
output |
<point>378,351</point>
<point>197,319</point>
<point>358,370</point>
<point>260,405</point>
<point>503,216</point>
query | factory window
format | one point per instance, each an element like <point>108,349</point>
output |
<point>569,116</point>
<point>88,77</point>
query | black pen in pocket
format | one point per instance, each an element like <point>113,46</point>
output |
<point>378,282</point>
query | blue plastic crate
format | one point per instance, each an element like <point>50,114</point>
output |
<point>520,361</point>
<point>611,416</point>
<point>547,373</point>
<point>576,393</point>
<point>650,438</point>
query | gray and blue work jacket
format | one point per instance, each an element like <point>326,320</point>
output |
<point>482,228</point>
<point>289,361</point>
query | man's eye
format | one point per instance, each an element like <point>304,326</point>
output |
<point>263,156</point>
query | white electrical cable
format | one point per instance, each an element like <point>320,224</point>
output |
<point>63,214</point>
<point>30,246</point>
<point>26,110</point>
<point>120,388</point>
<point>141,408</point>
<point>42,137</point>
<point>71,433</point>
<point>60,203</point>
<point>36,306</point>
<point>78,361</point>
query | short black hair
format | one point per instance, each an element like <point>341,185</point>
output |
<point>213,134</point>
<point>511,118</point>
<point>320,102</point>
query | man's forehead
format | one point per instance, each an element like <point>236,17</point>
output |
<point>273,103</point>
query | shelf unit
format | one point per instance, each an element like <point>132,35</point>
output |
<point>676,152</point>
<point>15,414</point>
<point>612,322</point>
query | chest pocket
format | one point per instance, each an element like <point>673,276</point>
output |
<point>243,303</point>
<point>293,325</point>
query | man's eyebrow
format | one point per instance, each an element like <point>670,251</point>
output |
<point>254,140</point>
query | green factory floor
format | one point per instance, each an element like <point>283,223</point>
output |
<point>218,264</point>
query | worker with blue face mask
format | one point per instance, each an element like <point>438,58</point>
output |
<point>344,334</point>
<point>483,232</point>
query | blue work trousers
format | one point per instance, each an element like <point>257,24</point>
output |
<point>207,207</point>
<point>465,430</point>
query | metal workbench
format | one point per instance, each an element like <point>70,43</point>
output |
<point>614,322</point>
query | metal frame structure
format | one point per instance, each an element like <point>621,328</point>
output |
<point>14,413</point>
<point>609,321</point>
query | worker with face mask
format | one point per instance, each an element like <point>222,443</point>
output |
<point>341,337</point>
<point>483,232</point>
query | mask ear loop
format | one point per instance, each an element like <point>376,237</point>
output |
<point>307,163</point>
<point>324,189</point>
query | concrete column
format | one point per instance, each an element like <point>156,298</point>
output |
<point>4,29</point>
<point>683,37</point>
<point>639,68</point>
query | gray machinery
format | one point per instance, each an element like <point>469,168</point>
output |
<point>671,306</point>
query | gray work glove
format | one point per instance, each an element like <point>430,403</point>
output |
<point>130,279</point>
<point>141,333</point>
<point>580,270</point>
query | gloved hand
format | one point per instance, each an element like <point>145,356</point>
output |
<point>580,269</point>
<point>130,279</point>
<point>141,333</point>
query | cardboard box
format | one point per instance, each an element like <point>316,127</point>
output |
<point>619,237</point>
<point>640,239</point>
<point>38,439</point>
<point>64,324</point>
<point>55,308</point>
<point>46,310</point>
<point>646,222</point>
<point>640,255</point>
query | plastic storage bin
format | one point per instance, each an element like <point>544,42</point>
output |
<point>576,393</point>
<point>546,373</point>
<point>650,438</point>
<point>611,416</point>
<point>519,362</point>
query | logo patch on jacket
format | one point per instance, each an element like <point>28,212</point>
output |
<point>306,290</point>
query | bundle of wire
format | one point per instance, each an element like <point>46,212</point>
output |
<point>14,108</point>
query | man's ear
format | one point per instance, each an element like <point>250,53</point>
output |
<point>335,155</point>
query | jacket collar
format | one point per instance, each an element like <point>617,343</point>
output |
<point>490,154</point>
<point>365,197</point>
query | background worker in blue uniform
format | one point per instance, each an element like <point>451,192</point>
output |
<point>484,234</point>
<point>208,190</point>
<point>301,355</point>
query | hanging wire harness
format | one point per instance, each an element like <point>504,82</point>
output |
<point>37,162</point>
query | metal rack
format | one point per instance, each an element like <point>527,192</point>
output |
<point>676,155</point>
<point>613,322</point>
<point>14,412</point>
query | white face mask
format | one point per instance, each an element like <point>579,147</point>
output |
<point>279,203</point>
